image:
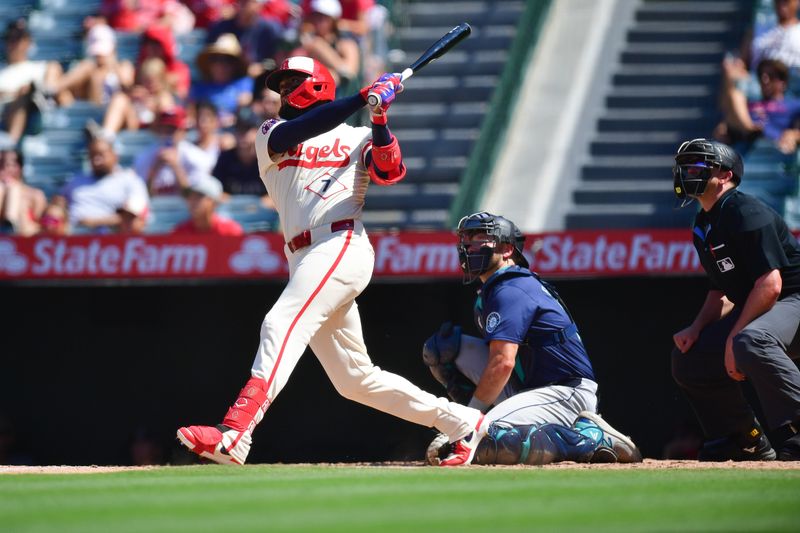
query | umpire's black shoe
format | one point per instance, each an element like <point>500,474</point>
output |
<point>790,451</point>
<point>738,449</point>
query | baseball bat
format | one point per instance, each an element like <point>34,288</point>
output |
<point>437,50</point>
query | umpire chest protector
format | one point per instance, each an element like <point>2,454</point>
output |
<point>515,305</point>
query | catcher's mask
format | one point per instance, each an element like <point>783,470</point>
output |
<point>479,236</point>
<point>696,161</point>
<point>317,87</point>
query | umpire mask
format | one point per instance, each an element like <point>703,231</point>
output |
<point>695,163</point>
<point>689,179</point>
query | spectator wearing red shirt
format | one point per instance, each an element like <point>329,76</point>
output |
<point>131,15</point>
<point>207,12</point>
<point>203,196</point>
<point>354,15</point>
<point>20,204</point>
<point>320,39</point>
<point>158,41</point>
<point>259,38</point>
<point>138,15</point>
<point>281,11</point>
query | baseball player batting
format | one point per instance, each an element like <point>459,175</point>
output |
<point>317,171</point>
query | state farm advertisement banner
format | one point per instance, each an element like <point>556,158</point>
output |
<point>397,255</point>
<point>151,256</point>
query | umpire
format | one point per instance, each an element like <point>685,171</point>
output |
<point>747,329</point>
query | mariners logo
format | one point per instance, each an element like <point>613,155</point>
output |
<point>725,265</point>
<point>492,321</point>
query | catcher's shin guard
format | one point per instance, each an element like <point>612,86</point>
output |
<point>229,442</point>
<point>533,444</point>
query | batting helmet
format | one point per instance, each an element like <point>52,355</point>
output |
<point>317,87</point>
<point>695,162</point>
<point>500,230</point>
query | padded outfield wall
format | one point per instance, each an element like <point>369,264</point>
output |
<point>85,370</point>
<point>93,369</point>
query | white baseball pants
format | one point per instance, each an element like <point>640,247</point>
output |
<point>318,308</point>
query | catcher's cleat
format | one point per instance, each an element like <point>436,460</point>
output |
<point>221,444</point>
<point>753,447</point>
<point>464,449</point>
<point>612,446</point>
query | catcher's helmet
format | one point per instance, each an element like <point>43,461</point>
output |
<point>317,87</point>
<point>695,162</point>
<point>500,230</point>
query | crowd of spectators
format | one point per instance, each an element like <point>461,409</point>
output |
<point>759,103</point>
<point>759,96</point>
<point>772,115</point>
<point>198,116</point>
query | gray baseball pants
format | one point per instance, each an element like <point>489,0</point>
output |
<point>764,351</point>
<point>551,404</point>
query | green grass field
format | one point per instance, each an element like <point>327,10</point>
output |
<point>415,499</point>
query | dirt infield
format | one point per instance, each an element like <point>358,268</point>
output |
<point>648,464</point>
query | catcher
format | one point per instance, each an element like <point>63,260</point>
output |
<point>530,373</point>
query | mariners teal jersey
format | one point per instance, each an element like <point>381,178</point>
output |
<point>515,306</point>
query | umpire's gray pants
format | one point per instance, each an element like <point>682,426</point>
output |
<point>763,350</point>
<point>551,404</point>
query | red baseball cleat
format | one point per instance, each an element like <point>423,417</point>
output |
<point>221,444</point>
<point>464,449</point>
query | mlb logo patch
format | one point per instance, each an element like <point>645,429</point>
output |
<point>724,265</point>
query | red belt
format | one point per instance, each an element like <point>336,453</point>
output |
<point>304,239</point>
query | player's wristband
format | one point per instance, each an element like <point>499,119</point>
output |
<point>480,405</point>
<point>379,118</point>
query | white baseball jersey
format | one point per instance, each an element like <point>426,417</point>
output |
<point>316,182</point>
<point>321,181</point>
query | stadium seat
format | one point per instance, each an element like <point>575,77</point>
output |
<point>50,172</point>
<point>770,174</point>
<point>248,211</point>
<point>73,117</point>
<point>128,45</point>
<point>663,90</point>
<point>58,47</point>
<point>87,7</point>
<point>67,25</point>
<point>791,211</point>
<point>165,213</point>
<point>12,9</point>
<point>66,143</point>
<point>130,143</point>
